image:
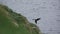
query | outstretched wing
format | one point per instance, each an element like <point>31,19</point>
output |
<point>36,20</point>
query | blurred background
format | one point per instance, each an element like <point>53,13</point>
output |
<point>47,10</point>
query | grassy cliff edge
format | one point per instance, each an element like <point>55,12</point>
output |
<point>14,23</point>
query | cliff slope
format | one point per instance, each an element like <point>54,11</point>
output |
<point>14,23</point>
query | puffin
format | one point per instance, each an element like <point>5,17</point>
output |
<point>36,20</point>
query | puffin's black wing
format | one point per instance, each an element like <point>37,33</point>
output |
<point>37,20</point>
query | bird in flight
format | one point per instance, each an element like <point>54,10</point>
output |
<point>36,20</point>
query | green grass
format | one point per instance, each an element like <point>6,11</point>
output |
<point>9,19</point>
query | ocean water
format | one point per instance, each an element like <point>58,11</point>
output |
<point>47,10</point>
